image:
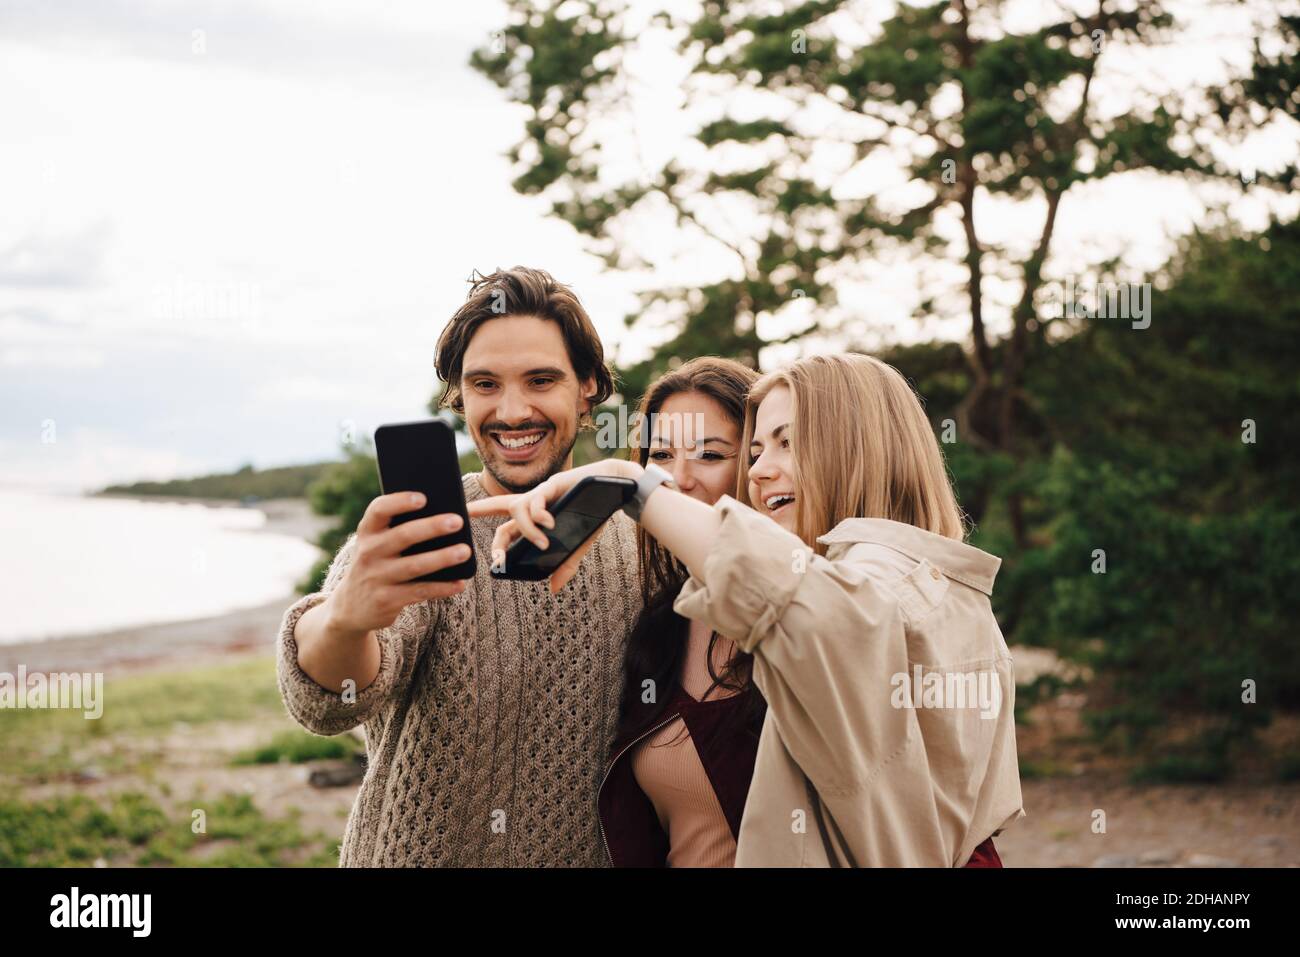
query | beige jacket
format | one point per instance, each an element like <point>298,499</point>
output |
<point>888,683</point>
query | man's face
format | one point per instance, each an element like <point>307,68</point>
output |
<point>522,401</point>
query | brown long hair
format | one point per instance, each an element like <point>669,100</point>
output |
<point>657,644</point>
<point>880,460</point>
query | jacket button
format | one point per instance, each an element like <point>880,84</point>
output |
<point>935,574</point>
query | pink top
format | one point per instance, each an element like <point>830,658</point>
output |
<point>668,769</point>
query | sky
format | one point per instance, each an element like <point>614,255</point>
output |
<point>228,256</point>
<point>232,231</point>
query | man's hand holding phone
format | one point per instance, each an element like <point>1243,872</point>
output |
<point>378,582</point>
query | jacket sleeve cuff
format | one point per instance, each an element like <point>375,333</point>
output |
<point>750,575</point>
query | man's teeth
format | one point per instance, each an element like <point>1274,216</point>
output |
<point>774,502</point>
<point>520,443</point>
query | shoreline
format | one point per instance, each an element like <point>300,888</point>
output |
<point>187,641</point>
<point>137,647</point>
<point>284,516</point>
<point>244,630</point>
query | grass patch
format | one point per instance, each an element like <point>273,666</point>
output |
<point>40,745</point>
<point>1288,769</point>
<point>131,829</point>
<point>143,823</point>
<point>1207,768</point>
<point>297,747</point>
<point>1038,770</point>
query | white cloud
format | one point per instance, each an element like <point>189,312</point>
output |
<point>83,458</point>
<point>51,357</point>
<point>41,260</point>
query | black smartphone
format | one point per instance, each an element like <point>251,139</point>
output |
<point>421,457</point>
<point>579,514</point>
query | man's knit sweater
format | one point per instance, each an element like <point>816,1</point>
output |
<point>490,721</point>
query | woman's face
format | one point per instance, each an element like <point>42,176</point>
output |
<point>694,440</point>
<point>771,470</point>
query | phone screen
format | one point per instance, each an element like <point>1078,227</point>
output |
<point>578,515</point>
<point>421,457</point>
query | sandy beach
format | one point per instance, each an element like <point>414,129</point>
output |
<point>179,643</point>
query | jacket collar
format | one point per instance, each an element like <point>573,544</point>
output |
<point>961,562</point>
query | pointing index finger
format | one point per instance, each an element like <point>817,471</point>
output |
<point>494,505</point>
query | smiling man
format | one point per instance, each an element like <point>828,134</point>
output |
<point>488,709</point>
<point>524,366</point>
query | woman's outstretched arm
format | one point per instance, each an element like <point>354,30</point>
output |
<point>827,639</point>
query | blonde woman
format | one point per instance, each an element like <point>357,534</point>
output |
<point>889,738</point>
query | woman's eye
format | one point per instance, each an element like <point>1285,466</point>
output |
<point>712,456</point>
<point>660,456</point>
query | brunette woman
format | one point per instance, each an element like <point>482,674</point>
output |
<point>690,717</point>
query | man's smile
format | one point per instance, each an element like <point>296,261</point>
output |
<point>517,446</point>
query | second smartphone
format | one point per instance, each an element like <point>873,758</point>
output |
<point>579,513</point>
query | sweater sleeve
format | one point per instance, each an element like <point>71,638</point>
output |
<point>826,639</point>
<point>326,712</point>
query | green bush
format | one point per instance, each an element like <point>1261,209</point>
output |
<point>297,747</point>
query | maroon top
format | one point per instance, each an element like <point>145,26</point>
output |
<point>628,821</point>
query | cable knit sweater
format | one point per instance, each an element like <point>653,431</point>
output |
<point>490,721</point>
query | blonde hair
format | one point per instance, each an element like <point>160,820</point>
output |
<point>861,446</point>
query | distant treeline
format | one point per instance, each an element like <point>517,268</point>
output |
<point>290,481</point>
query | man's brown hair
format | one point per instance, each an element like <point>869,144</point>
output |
<point>521,291</point>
